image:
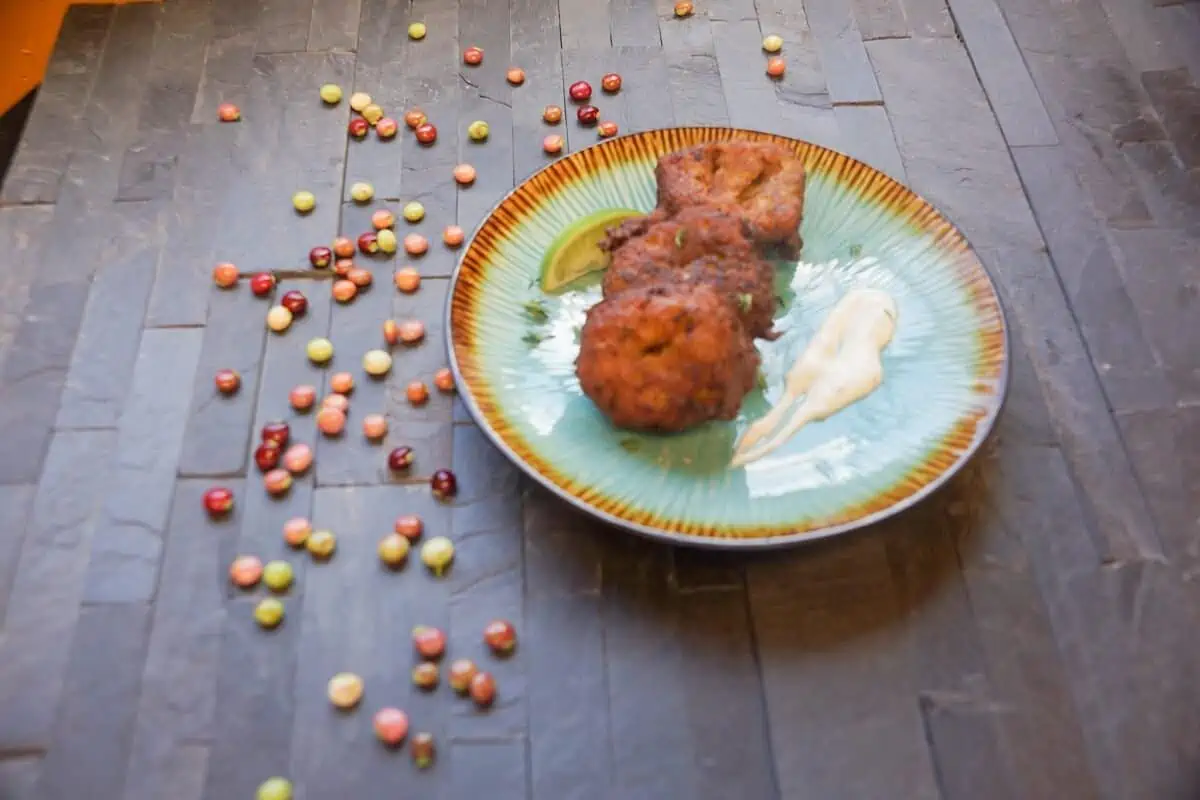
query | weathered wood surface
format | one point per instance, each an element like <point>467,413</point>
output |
<point>1028,633</point>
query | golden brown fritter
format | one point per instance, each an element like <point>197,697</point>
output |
<point>665,358</point>
<point>698,245</point>
<point>760,182</point>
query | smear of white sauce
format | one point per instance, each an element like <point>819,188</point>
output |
<point>841,365</point>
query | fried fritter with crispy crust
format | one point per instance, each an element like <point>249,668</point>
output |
<point>698,245</point>
<point>665,357</point>
<point>760,182</point>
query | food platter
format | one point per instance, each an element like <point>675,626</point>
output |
<point>944,368</point>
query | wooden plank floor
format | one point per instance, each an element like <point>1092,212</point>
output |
<point>1029,633</point>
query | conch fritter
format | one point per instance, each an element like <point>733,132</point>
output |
<point>666,357</point>
<point>698,245</point>
<point>761,183</point>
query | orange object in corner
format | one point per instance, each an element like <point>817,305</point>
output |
<point>28,30</point>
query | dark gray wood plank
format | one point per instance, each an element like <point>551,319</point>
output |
<point>749,91</point>
<point>218,433</point>
<point>1001,69</point>
<point>110,117</point>
<point>880,19</point>
<point>1097,618</point>
<point>693,79</point>
<point>919,78</point>
<point>1121,524</point>
<point>55,123</point>
<point>427,428</point>
<point>430,75</point>
<point>725,711</point>
<point>19,776</point>
<point>487,583</point>
<point>354,328</point>
<point>585,25</point>
<point>254,706</point>
<point>128,540</point>
<point>634,23</point>
<point>645,667</point>
<point>865,132</point>
<point>293,142</point>
<point>958,706</point>
<point>1035,710</point>
<point>96,717</point>
<point>847,69</point>
<point>929,19</point>
<point>22,234</point>
<point>932,79</point>
<point>150,166</point>
<point>43,608</point>
<point>228,57</point>
<point>283,26</point>
<point>358,616</point>
<point>489,769</point>
<point>591,66</point>
<point>102,364</point>
<point>16,505</point>
<point>805,107</point>
<point>192,228</point>
<point>543,87</point>
<point>33,376</point>
<point>485,95</point>
<point>827,623</point>
<point>334,25</point>
<point>568,741</point>
<point>1176,97</point>
<point>177,706</point>
<point>1129,371</point>
<point>645,81</point>
<point>1159,268</point>
<point>383,47</point>
<point>1087,85</point>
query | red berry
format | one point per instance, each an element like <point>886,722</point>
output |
<point>409,526</point>
<point>228,112</point>
<point>580,91</point>
<point>266,456</point>
<point>227,381</point>
<point>444,484</point>
<point>262,283</point>
<point>483,689</point>
<point>218,500</point>
<point>400,459</point>
<point>295,302</point>
<point>587,115</point>
<point>611,83</point>
<point>429,642</point>
<point>277,432</point>
<point>500,636</point>
<point>368,243</point>
<point>391,726</point>
<point>320,257</point>
<point>426,133</point>
<point>358,127</point>
<point>343,247</point>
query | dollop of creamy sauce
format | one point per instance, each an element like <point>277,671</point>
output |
<point>841,365</point>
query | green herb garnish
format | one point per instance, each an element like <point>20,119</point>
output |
<point>533,338</point>
<point>630,444</point>
<point>855,250</point>
<point>746,302</point>
<point>536,311</point>
<point>680,236</point>
<point>761,379</point>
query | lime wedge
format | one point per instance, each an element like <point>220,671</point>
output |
<point>576,251</point>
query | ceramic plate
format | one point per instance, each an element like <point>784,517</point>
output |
<point>944,371</point>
